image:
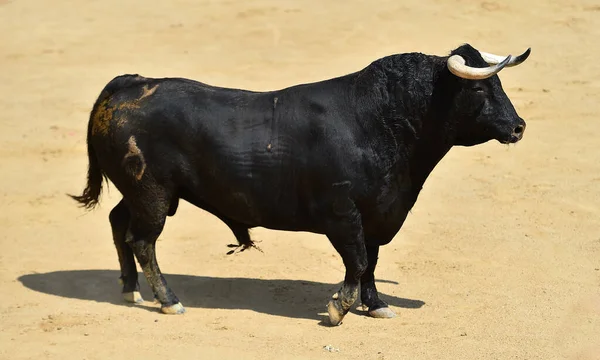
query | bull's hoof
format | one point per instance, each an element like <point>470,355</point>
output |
<point>133,297</point>
<point>174,309</point>
<point>336,314</point>
<point>382,313</point>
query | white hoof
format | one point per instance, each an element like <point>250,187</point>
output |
<point>383,313</point>
<point>133,297</point>
<point>335,315</point>
<point>173,309</point>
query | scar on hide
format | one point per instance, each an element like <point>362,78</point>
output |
<point>134,160</point>
<point>147,92</point>
<point>135,104</point>
<point>275,99</point>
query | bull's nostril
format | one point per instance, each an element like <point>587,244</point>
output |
<point>519,129</point>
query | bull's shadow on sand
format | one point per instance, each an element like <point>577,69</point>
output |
<point>288,298</point>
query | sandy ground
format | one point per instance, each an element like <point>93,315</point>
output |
<point>499,259</point>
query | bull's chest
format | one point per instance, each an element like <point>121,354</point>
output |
<point>386,215</point>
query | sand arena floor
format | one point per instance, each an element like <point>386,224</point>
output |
<point>499,259</point>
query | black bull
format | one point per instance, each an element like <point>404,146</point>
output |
<point>345,157</point>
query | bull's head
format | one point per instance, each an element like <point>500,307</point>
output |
<point>480,105</point>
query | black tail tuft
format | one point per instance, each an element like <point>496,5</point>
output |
<point>89,198</point>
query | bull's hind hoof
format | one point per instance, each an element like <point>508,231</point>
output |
<point>174,309</point>
<point>133,297</point>
<point>336,315</point>
<point>382,313</point>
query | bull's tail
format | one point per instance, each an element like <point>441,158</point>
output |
<point>91,193</point>
<point>95,176</point>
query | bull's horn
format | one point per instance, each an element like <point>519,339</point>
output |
<point>456,65</point>
<point>496,59</point>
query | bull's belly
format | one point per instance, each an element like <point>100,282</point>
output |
<point>269,205</point>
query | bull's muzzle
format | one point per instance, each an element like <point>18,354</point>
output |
<point>517,133</point>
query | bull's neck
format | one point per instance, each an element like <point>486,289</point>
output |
<point>409,109</point>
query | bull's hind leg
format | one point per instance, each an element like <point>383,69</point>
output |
<point>348,239</point>
<point>119,220</point>
<point>148,215</point>
<point>368,292</point>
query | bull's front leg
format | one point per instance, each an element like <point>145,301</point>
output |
<point>348,239</point>
<point>368,292</point>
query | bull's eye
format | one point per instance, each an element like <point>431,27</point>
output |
<point>478,89</point>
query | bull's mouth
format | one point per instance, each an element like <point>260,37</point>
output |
<point>512,138</point>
